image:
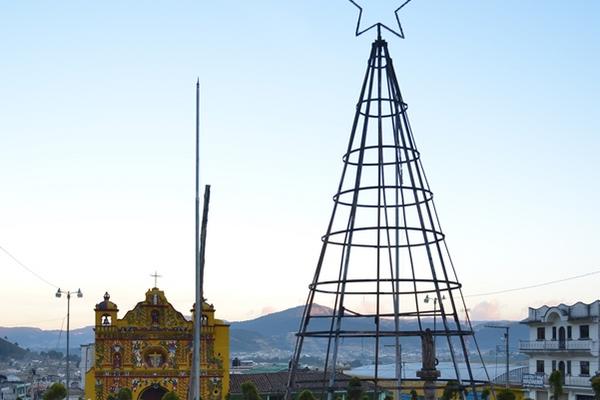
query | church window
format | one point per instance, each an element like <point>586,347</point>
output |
<point>569,332</point>
<point>568,367</point>
<point>553,333</point>
<point>106,320</point>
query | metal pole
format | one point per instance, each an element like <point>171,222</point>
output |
<point>507,357</point>
<point>68,318</point>
<point>198,313</point>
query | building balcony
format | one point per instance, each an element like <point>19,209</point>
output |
<point>539,346</point>
<point>541,381</point>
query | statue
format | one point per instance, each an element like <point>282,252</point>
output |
<point>428,372</point>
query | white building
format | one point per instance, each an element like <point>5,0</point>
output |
<point>563,338</point>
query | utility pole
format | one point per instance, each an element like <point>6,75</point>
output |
<point>59,293</point>
<point>506,337</point>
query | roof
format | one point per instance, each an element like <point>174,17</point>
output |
<point>276,382</point>
<point>106,305</point>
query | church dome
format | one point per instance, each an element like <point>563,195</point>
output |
<point>106,305</point>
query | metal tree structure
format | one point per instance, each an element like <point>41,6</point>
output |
<point>384,278</point>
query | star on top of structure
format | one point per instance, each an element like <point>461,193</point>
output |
<point>396,31</point>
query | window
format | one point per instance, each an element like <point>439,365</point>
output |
<point>584,331</point>
<point>569,332</point>
<point>584,368</point>
<point>553,365</point>
<point>539,366</point>
<point>553,333</point>
<point>541,333</point>
<point>568,367</point>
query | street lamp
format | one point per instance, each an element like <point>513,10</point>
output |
<point>59,293</point>
<point>435,301</point>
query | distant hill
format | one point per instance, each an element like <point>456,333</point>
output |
<point>10,350</point>
<point>266,333</point>
<point>41,340</point>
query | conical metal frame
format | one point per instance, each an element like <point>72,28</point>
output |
<point>384,274</point>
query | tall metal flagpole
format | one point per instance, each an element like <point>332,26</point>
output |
<point>198,314</point>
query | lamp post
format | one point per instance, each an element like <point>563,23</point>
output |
<point>59,293</point>
<point>435,300</point>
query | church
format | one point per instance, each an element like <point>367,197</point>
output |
<point>149,351</point>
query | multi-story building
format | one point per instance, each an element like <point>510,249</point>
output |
<point>563,338</point>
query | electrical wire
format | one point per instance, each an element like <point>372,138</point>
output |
<point>28,269</point>
<point>537,285</point>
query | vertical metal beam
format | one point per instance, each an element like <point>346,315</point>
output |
<point>198,288</point>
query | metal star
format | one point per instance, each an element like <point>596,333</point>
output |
<point>379,25</point>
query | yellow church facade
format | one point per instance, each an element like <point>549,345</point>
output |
<point>149,351</point>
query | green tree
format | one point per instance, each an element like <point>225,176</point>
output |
<point>57,391</point>
<point>413,395</point>
<point>506,394</point>
<point>485,394</point>
<point>170,396</point>
<point>306,395</point>
<point>355,389</point>
<point>555,380</point>
<point>450,390</point>
<point>124,394</point>
<point>596,386</point>
<point>249,391</point>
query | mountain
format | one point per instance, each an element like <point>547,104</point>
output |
<point>272,333</point>
<point>38,339</point>
<point>10,350</point>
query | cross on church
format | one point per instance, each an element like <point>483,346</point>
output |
<point>155,275</point>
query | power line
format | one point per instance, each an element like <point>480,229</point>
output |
<point>27,268</point>
<point>537,285</point>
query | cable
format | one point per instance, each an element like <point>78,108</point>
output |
<point>27,268</point>
<point>535,285</point>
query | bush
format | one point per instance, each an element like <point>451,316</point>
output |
<point>57,391</point>
<point>355,390</point>
<point>556,384</point>
<point>306,395</point>
<point>506,394</point>
<point>450,391</point>
<point>485,394</point>
<point>124,394</point>
<point>596,386</point>
<point>170,396</point>
<point>249,391</point>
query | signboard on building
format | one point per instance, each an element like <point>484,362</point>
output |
<point>533,380</point>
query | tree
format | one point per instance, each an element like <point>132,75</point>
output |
<point>306,395</point>
<point>506,394</point>
<point>413,395</point>
<point>249,391</point>
<point>57,391</point>
<point>555,380</point>
<point>170,396</point>
<point>596,386</point>
<point>124,394</point>
<point>355,390</point>
<point>450,391</point>
<point>485,394</point>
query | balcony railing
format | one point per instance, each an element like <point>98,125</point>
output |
<point>558,345</point>
<point>535,380</point>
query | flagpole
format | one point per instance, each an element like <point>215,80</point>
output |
<point>198,312</point>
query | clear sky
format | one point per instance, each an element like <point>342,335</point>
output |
<point>97,146</point>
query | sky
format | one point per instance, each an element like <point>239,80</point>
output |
<point>97,146</point>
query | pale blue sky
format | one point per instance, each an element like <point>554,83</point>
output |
<point>96,145</point>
